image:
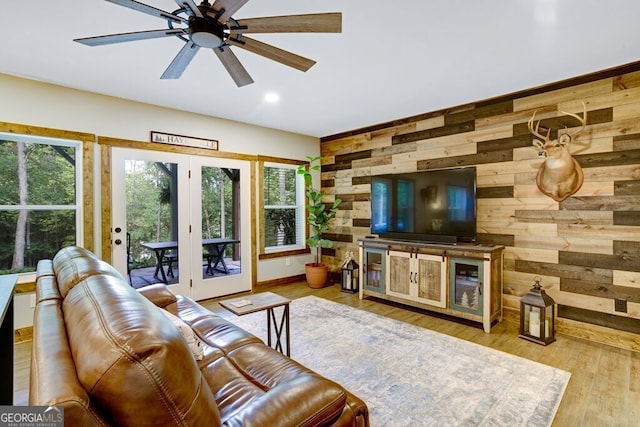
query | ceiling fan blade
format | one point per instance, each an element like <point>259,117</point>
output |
<point>128,37</point>
<point>276,54</point>
<point>233,66</point>
<point>180,62</point>
<point>190,5</point>
<point>310,23</point>
<point>229,6</point>
<point>150,10</point>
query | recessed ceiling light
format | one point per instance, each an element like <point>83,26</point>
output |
<point>272,97</point>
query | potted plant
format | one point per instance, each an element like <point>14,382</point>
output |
<point>319,215</point>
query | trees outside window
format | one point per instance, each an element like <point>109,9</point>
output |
<point>40,200</point>
<point>152,205</point>
<point>283,206</point>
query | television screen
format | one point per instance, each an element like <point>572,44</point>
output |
<point>438,205</point>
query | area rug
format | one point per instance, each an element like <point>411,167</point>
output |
<point>410,376</point>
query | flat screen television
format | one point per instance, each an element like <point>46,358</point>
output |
<point>433,205</point>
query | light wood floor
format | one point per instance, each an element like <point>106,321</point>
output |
<point>604,389</point>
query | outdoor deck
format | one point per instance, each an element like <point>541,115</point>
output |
<point>143,276</point>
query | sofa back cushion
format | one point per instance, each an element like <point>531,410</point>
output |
<point>74,264</point>
<point>46,283</point>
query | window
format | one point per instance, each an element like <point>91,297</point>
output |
<point>41,199</point>
<point>284,208</point>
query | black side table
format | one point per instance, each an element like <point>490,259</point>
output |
<point>265,301</point>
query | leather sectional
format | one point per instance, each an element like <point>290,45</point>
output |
<point>109,355</point>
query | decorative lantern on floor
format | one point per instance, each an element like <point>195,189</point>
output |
<point>537,316</point>
<point>349,274</point>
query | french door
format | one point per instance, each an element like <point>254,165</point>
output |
<point>182,220</point>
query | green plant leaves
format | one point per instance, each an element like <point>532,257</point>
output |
<point>319,213</point>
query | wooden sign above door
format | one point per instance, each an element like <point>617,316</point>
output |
<point>189,141</point>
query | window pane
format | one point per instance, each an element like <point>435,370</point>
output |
<point>39,202</point>
<point>150,190</point>
<point>218,202</point>
<point>46,232</point>
<point>49,170</point>
<point>283,206</point>
<point>220,219</point>
<point>280,227</point>
<point>279,186</point>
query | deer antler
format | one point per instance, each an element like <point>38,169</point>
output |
<point>582,120</point>
<point>535,131</point>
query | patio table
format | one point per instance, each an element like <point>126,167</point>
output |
<point>215,248</point>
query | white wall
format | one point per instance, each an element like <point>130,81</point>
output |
<point>39,104</point>
<point>23,310</point>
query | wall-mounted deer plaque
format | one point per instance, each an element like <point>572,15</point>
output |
<point>560,175</point>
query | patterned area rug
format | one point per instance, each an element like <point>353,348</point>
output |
<point>410,376</point>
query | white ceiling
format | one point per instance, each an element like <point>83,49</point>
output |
<point>392,59</point>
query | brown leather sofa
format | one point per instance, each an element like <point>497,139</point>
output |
<point>108,355</point>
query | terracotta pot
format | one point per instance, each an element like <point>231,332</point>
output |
<point>316,274</point>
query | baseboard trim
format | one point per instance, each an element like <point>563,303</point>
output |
<point>282,281</point>
<point>587,331</point>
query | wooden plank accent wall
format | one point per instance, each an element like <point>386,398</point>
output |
<point>586,248</point>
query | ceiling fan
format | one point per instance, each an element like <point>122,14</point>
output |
<point>212,26</point>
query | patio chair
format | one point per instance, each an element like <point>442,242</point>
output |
<point>170,258</point>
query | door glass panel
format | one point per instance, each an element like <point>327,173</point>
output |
<point>220,222</point>
<point>152,222</point>
<point>374,277</point>
<point>466,286</point>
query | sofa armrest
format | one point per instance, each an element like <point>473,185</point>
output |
<point>308,400</point>
<point>159,294</point>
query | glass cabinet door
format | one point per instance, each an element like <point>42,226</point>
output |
<point>465,285</point>
<point>374,269</point>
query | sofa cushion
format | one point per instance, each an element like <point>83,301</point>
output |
<point>132,361</point>
<point>208,327</point>
<point>271,389</point>
<point>187,333</point>
<point>74,264</point>
<point>159,294</point>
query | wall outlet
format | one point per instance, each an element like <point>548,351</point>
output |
<point>287,261</point>
<point>32,300</point>
<point>620,305</point>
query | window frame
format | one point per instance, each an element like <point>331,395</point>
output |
<point>266,252</point>
<point>84,182</point>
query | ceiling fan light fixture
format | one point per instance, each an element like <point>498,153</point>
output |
<point>205,34</point>
<point>214,28</point>
<point>206,39</point>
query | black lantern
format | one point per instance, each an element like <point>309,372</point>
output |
<point>350,276</point>
<point>537,316</point>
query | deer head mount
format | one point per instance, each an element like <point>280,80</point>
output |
<point>560,175</point>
